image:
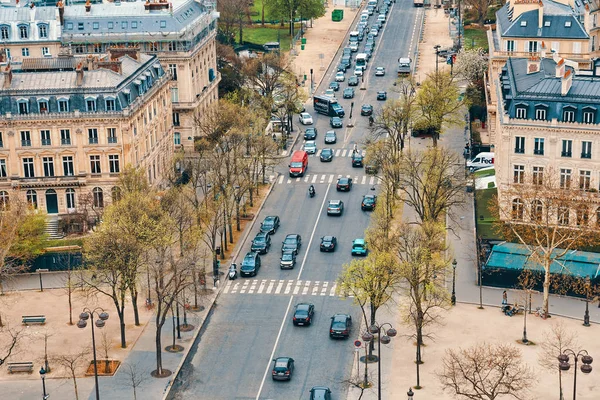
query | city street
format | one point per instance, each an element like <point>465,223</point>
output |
<point>252,323</point>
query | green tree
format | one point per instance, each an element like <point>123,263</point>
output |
<point>438,104</point>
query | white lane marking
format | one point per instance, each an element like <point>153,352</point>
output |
<point>280,180</point>
<point>337,152</point>
<point>297,287</point>
<point>289,181</point>
<point>253,286</point>
<point>344,153</point>
<point>244,286</point>
<point>372,180</point>
<point>314,179</point>
<point>285,317</point>
<point>323,178</point>
<point>271,178</point>
<point>355,180</point>
<point>261,288</point>
<point>364,180</point>
<point>227,287</point>
<point>288,287</point>
<point>332,291</point>
<point>315,289</point>
<point>236,286</point>
<point>270,287</point>
<point>305,290</point>
<point>298,179</point>
<point>330,179</point>
<point>279,286</point>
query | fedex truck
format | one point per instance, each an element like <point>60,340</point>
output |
<point>481,160</point>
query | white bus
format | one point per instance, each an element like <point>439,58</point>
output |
<point>361,60</point>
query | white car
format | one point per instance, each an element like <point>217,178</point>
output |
<point>310,147</point>
<point>358,71</point>
<point>379,71</point>
<point>374,31</point>
<point>339,77</point>
<point>305,118</point>
<point>329,93</point>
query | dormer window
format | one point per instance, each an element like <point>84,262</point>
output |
<point>110,104</point>
<point>589,115</point>
<point>546,23</point>
<point>43,31</point>
<point>523,23</point>
<point>134,24</point>
<point>69,26</point>
<point>4,32</point>
<point>63,105</point>
<point>163,24</point>
<point>96,25</point>
<point>541,112</point>
<point>567,24</point>
<point>569,114</point>
<point>43,106</point>
<point>23,107</point>
<point>90,104</point>
<point>80,26</point>
<point>110,25</point>
<point>521,112</point>
<point>23,31</point>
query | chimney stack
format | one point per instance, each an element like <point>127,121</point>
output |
<point>88,6</point>
<point>533,65</point>
<point>79,72</point>
<point>7,76</point>
<point>115,53</point>
<point>560,68</point>
<point>61,13</point>
<point>566,82</point>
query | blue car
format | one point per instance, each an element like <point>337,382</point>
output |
<point>359,247</point>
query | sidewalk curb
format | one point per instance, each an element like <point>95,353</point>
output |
<point>200,328</point>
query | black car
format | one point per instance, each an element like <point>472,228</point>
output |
<point>357,160</point>
<point>326,155</point>
<point>303,314</point>
<point>310,134</point>
<point>270,224</point>
<point>382,95</point>
<point>287,260</point>
<point>261,243</point>
<point>250,264</point>
<point>366,110</point>
<point>328,243</point>
<point>353,80</point>
<point>334,85</point>
<point>369,202</point>
<point>330,137</point>
<point>292,242</point>
<point>341,325</point>
<point>336,122</point>
<point>320,393</point>
<point>283,368</point>
<point>348,93</point>
<point>344,184</point>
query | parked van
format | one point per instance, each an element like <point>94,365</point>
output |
<point>372,3</point>
<point>299,163</point>
<point>481,160</point>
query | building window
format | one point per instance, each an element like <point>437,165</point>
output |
<point>79,48</point>
<point>582,215</point>
<point>538,175</point>
<point>565,178</point>
<point>98,197</point>
<point>153,46</point>
<point>93,135</point>
<point>4,32</point>
<point>80,26</point>
<point>46,52</point>
<point>28,170</point>
<point>3,172</point>
<point>519,174</point>
<point>25,138</point>
<point>45,136</point>
<point>70,197</point>
<point>568,116</point>
<point>69,26</point>
<point>163,24</point>
<point>585,180</point>
<point>32,198</point>
<point>134,24</point>
<point>173,71</point>
<point>97,48</point>
<point>25,52</point>
<point>95,164</point>
<point>43,106</point>
<point>1,140</point>
<point>90,105</point>
<point>96,25</point>
<point>563,215</point>
<point>111,134</point>
<point>23,31</point>
<point>123,24</point>
<point>532,46</point>
<point>65,137</point>
<point>43,30</point>
<point>567,148</point>
<point>510,46</point>
<point>48,163</point>
<point>113,163</point>
<point>63,105</point>
<point>517,209</point>
<point>588,117</point>
<point>521,113</point>
<point>540,114</point>
<point>175,119</point>
<point>23,107</point>
<point>519,144</point>
<point>538,146</point>
<point>115,194</point>
<point>177,138</point>
<point>7,52</point>
<point>110,25</point>
<point>537,210</point>
<point>68,169</point>
<point>110,104</point>
<point>174,95</point>
<point>4,199</point>
<point>586,149</point>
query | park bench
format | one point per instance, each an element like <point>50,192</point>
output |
<point>33,319</point>
<point>20,367</point>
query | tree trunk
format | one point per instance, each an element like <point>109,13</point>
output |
<point>106,365</point>
<point>122,326</point>
<point>263,14</point>
<point>546,305</point>
<point>241,31</point>
<point>418,366</point>
<point>75,387</point>
<point>237,216</point>
<point>158,339</point>
<point>251,192</point>
<point>70,293</point>
<point>134,304</point>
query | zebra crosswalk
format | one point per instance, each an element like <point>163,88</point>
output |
<point>281,287</point>
<point>339,153</point>
<point>327,178</point>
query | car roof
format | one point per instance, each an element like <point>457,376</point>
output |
<point>303,305</point>
<point>343,178</point>
<point>330,132</point>
<point>326,150</point>
<point>328,238</point>
<point>340,317</point>
<point>369,196</point>
<point>359,241</point>
<point>270,217</point>
<point>292,235</point>
<point>263,234</point>
<point>367,105</point>
<point>334,202</point>
<point>309,143</point>
<point>282,359</point>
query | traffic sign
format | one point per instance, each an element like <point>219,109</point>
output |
<point>357,343</point>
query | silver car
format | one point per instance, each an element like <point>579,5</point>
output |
<point>310,147</point>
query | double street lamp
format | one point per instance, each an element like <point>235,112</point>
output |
<point>386,338</point>
<point>564,365</point>
<point>453,297</point>
<point>100,322</point>
<point>43,375</point>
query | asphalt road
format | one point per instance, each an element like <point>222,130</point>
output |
<point>252,323</point>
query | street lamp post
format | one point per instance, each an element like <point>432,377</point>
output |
<point>43,375</point>
<point>386,338</point>
<point>564,365</point>
<point>410,394</point>
<point>100,322</point>
<point>453,298</point>
<point>437,56</point>
<point>586,315</point>
<point>311,81</point>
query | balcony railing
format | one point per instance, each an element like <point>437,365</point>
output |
<point>65,142</point>
<point>26,143</point>
<point>519,150</point>
<point>538,152</point>
<point>112,139</point>
<point>566,154</point>
<point>93,140</point>
<point>46,142</point>
<point>586,155</point>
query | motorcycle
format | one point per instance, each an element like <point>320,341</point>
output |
<point>232,272</point>
<point>311,192</point>
<point>370,121</point>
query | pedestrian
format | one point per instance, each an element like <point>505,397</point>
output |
<point>504,298</point>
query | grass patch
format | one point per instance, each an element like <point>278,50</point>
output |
<point>482,173</point>
<point>64,242</point>
<point>264,35</point>
<point>475,37</point>
<point>256,12</point>
<point>485,225</point>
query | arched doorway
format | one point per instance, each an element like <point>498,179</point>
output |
<point>51,201</point>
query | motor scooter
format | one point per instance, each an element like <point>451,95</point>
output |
<point>232,272</point>
<point>311,192</point>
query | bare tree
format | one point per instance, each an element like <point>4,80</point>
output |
<point>480,7</point>
<point>72,362</point>
<point>554,342</point>
<point>71,283</point>
<point>486,372</point>
<point>12,338</point>
<point>106,345</point>
<point>135,376</point>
